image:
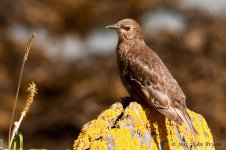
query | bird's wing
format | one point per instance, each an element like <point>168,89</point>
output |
<point>150,84</point>
<point>154,79</point>
<point>159,89</point>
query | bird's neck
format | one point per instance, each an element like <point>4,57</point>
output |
<point>127,44</point>
<point>123,46</point>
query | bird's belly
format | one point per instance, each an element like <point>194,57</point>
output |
<point>125,76</point>
<point>132,89</point>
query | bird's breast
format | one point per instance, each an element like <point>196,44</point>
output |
<point>125,54</point>
<point>122,66</point>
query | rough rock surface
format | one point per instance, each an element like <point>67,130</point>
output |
<point>129,125</point>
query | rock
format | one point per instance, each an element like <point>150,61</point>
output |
<point>134,126</point>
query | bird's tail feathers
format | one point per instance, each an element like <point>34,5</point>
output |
<point>187,120</point>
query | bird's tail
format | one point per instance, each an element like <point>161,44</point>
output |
<point>187,120</point>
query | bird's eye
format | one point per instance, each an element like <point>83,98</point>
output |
<point>127,28</point>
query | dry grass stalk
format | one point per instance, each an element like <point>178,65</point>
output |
<point>32,92</point>
<point>27,50</point>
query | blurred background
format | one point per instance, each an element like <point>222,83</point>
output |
<point>73,61</point>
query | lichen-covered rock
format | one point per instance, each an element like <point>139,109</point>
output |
<point>136,127</point>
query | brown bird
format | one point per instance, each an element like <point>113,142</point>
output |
<point>145,76</point>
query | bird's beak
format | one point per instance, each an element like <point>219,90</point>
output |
<point>114,26</point>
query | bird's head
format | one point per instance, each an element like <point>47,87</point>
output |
<point>127,29</point>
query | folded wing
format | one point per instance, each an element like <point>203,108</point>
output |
<point>152,80</point>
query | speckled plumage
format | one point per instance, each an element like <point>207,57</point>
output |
<point>145,76</point>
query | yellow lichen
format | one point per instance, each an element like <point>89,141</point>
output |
<point>89,134</point>
<point>122,138</point>
<point>139,118</point>
<point>99,145</point>
<point>127,132</point>
<point>154,145</point>
<point>110,114</point>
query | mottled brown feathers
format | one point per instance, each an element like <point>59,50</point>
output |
<point>145,76</point>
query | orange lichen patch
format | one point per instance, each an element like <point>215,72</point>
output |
<point>157,124</point>
<point>136,128</point>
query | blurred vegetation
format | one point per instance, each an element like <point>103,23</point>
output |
<point>72,93</point>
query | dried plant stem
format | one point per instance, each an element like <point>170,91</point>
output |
<point>32,92</point>
<point>27,49</point>
<point>15,129</point>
